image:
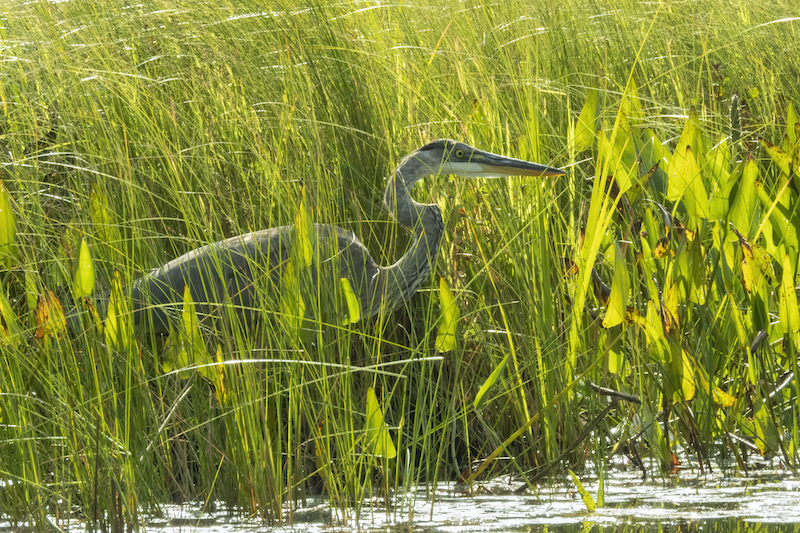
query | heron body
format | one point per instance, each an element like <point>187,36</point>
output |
<point>247,271</point>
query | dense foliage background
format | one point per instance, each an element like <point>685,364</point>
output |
<point>145,130</point>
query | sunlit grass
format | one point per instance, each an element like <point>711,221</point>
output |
<point>151,129</point>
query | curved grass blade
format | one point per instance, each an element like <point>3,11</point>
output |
<point>480,398</point>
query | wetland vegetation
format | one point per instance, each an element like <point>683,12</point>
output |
<point>643,305</point>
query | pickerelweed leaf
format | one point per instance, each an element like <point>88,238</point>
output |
<point>353,308</point>
<point>9,327</point>
<point>767,435</point>
<point>303,236</point>
<point>83,284</point>
<point>9,253</point>
<point>446,338</point>
<point>586,125</point>
<point>620,287</point>
<point>379,440</point>
<point>588,501</point>
<point>788,309</point>
<point>743,212</point>
<point>118,333</point>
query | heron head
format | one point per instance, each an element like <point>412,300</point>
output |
<point>446,156</point>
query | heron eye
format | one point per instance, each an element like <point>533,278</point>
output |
<point>459,153</point>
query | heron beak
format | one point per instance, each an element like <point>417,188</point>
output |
<point>500,166</point>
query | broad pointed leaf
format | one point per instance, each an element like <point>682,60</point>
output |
<point>9,253</point>
<point>586,126</point>
<point>781,158</point>
<point>303,236</point>
<point>744,210</point>
<point>620,286</point>
<point>588,501</point>
<point>446,338</point>
<point>789,312</point>
<point>9,329</point>
<point>686,184</point>
<point>379,440</point>
<point>350,298</point>
<point>791,127</point>
<point>83,284</point>
<point>117,328</point>
<point>767,435</point>
<point>688,386</point>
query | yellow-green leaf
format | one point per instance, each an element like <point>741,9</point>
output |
<point>654,152</point>
<point>788,310</point>
<point>671,302</point>
<point>615,360</point>
<point>621,155</point>
<point>84,275</point>
<point>219,379</point>
<point>781,158</point>
<point>586,126</point>
<point>618,301</point>
<point>303,235</point>
<point>601,486</point>
<point>31,290</point>
<point>756,265</point>
<point>743,211</point>
<point>588,501</point>
<point>653,329</point>
<point>688,386</point>
<point>655,435</point>
<point>631,102</point>
<point>783,222</point>
<point>767,435</point>
<point>379,440</point>
<point>719,169</point>
<point>791,127</point>
<point>721,398</point>
<point>117,331</point>
<point>9,329</point>
<point>293,308</point>
<point>686,184</point>
<point>9,253</point>
<point>105,229</point>
<point>446,339</point>
<point>185,348</point>
<point>480,398</point>
<point>353,307</point>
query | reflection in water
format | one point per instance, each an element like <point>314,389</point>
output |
<point>769,503</point>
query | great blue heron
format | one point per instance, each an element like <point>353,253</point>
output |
<point>241,270</point>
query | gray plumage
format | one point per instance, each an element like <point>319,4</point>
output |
<point>246,271</point>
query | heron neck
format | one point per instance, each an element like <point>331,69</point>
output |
<point>401,280</point>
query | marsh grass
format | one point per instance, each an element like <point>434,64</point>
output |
<point>150,129</point>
